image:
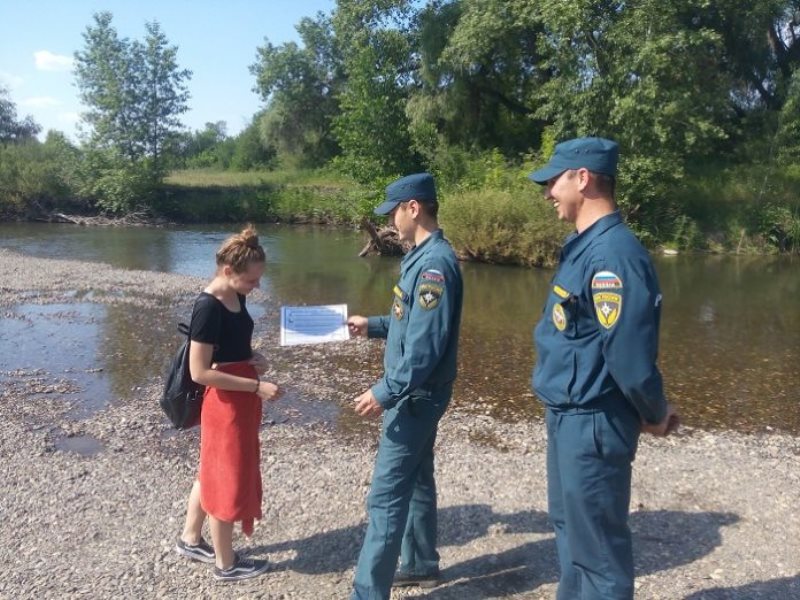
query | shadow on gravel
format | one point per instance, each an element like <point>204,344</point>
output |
<point>337,550</point>
<point>788,587</point>
<point>662,540</point>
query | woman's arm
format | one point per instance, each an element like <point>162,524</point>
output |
<point>200,356</point>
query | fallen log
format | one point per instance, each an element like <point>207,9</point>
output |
<point>135,218</point>
<point>383,241</point>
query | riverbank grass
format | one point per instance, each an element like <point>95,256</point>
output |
<point>265,196</point>
<point>752,209</point>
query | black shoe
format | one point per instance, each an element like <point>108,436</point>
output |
<point>243,568</point>
<point>424,581</point>
<point>201,551</point>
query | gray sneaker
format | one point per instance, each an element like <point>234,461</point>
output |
<point>201,551</point>
<point>243,568</point>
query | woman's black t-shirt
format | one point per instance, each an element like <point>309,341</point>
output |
<point>231,333</point>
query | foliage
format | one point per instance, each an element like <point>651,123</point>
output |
<point>35,176</point>
<point>502,227</point>
<point>477,72</point>
<point>788,134</point>
<point>113,182</point>
<point>372,127</point>
<point>249,151</point>
<point>702,95</point>
<point>198,149</point>
<point>300,87</point>
<point>265,201</point>
<point>135,93</point>
<point>161,92</point>
<point>12,129</point>
<point>215,178</point>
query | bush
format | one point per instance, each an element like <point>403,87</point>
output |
<point>750,208</point>
<point>264,202</point>
<point>780,227</point>
<point>116,184</point>
<point>499,226</point>
<point>35,176</point>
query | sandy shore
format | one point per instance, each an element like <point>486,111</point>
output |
<point>715,515</point>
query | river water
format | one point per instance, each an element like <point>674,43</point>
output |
<point>730,347</point>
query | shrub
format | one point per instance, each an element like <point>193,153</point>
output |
<point>35,176</point>
<point>502,227</point>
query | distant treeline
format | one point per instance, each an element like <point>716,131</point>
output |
<point>702,95</point>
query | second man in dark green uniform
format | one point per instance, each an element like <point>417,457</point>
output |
<point>421,332</point>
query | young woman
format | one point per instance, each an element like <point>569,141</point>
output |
<point>228,488</point>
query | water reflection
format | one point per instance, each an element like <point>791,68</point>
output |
<point>730,349</point>
<point>90,354</point>
<point>731,340</point>
<point>54,349</point>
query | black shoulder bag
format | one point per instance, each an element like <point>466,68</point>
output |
<point>182,399</point>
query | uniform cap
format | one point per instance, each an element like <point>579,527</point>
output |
<point>599,155</point>
<point>419,187</point>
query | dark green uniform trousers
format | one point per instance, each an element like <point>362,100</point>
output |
<point>589,456</point>
<point>402,502</point>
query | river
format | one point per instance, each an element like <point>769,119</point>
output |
<point>730,335</point>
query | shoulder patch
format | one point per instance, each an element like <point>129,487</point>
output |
<point>608,307</point>
<point>606,280</point>
<point>433,275</point>
<point>430,294</point>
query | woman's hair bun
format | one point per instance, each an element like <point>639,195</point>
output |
<point>241,249</point>
<point>249,237</point>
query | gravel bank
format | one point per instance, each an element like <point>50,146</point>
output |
<point>715,515</point>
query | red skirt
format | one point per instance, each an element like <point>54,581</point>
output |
<point>230,454</point>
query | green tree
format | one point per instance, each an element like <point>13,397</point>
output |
<point>478,68</point>
<point>300,87</point>
<point>12,129</point>
<point>134,93</point>
<point>162,93</point>
<point>372,128</point>
<point>788,136</point>
<point>633,72</point>
<point>36,178</point>
<point>105,80</point>
<point>198,149</point>
<point>249,150</point>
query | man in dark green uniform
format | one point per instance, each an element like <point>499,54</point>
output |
<point>596,372</point>
<point>421,332</point>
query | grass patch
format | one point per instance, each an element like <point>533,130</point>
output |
<point>211,178</point>
<point>264,196</point>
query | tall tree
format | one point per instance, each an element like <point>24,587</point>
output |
<point>12,129</point>
<point>478,67</point>
<point>372,127</point>
<point>134,93</point>
<point>300,85</point>
<point>106,82</point>
<point>162,92</point>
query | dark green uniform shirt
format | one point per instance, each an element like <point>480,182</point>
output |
<point>421,330</point>
<point>597,340</point>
